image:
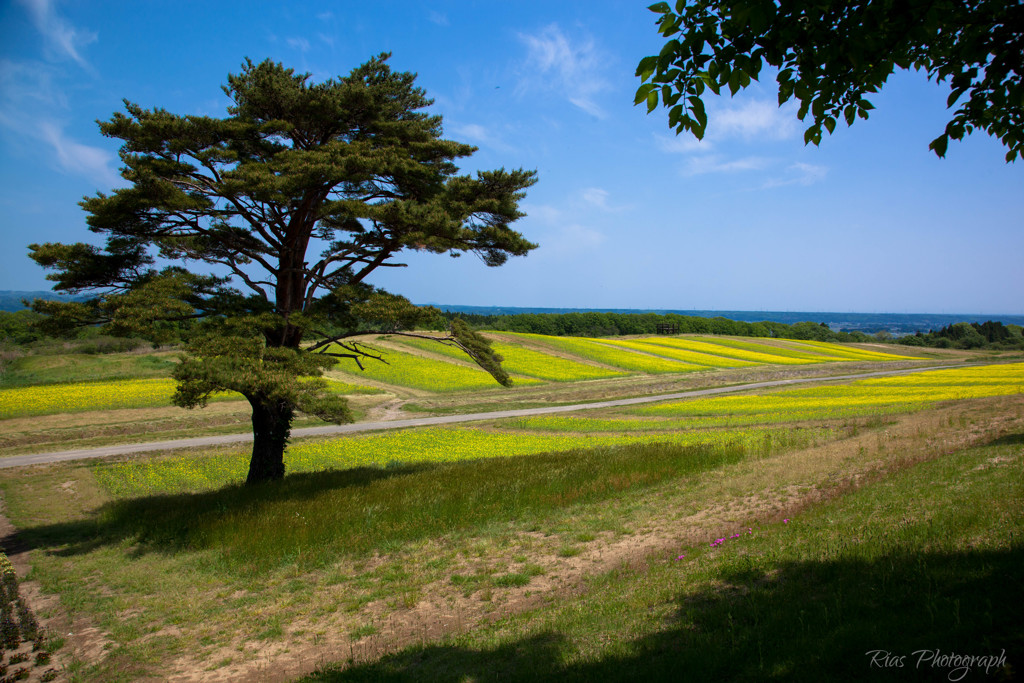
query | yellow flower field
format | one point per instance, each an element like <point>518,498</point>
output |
<point>428,445</point>
<point>544,366</point>
<point>51,399</point>
<point>48,399</point>
<point>837,351</point>
<point>918,389</point>
<point>598,350</point>
<point>654,345</point>
<point>765,354</point>
<point>418,372</point>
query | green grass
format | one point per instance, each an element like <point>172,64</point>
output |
<point>309,519</point>
<point>169,558</point>
<point>80,367</point>
<point>930,558</point>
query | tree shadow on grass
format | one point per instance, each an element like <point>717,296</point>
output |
<point>1008,440</point>
<point>167,522</point>
<point>805,621</point>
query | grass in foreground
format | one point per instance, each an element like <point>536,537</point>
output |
<point>928,560</point>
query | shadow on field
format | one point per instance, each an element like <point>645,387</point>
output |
<point>173,522</point>
<point>836,620</point>
<point>1008,440</point>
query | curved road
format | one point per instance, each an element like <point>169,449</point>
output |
<point>84,453</point>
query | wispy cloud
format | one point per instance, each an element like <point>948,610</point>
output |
<point>596,196</point>
<point>714,163</point>
<point>754,119</point>
<point>60,35</point>
<point>31,105</point>
<point>798,173</point>
<point>92,162</point>
<point>300,44</point>
<point>556,63</point>
<point>684,143</point>
<point>736,129</point>
<point>438,18</point>
<point>481,135</point>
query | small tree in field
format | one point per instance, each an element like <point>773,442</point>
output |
<point>299,194</point>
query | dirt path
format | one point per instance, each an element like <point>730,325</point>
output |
<point>205,441</point>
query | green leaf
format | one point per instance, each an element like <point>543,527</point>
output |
<point>659,7</point>
<point>830,124</point>
<point>646,67</point>
<point>674,115</point>
<point>652,101</point>
<point>939,145</point>
<point>734,82</point>
<point>642,92</point>
<point>697,107</point>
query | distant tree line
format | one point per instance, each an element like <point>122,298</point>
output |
<point>601,324</point>
<point>987,335</point>
<point>24,329</point>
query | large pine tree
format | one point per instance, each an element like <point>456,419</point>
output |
<point>274,216</point>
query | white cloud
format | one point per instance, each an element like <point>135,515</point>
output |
<point>30,100</point>
<point>27,84</point>
<point>438,18</point>
<point>798,173</point>
<point>481,135</point>
<point>92,162</point>
<point>60,35</point>
<point>543,213</point>
<point>554,62</point>
<point>300,44</point>
<point>596,196</point>
<point>684,143</point>
<point>753,119</point>
<point>716,164</point>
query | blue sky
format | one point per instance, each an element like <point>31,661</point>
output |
<point>627,214</point>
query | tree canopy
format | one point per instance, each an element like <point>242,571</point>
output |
<point>271,220</point>
<point>831,54</point>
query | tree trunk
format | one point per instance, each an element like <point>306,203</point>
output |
<point>271,426</point>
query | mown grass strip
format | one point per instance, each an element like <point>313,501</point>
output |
<point>82,367</point>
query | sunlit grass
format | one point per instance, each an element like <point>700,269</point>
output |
<point>408,447</point>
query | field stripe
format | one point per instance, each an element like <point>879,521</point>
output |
<point>85,453</point>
